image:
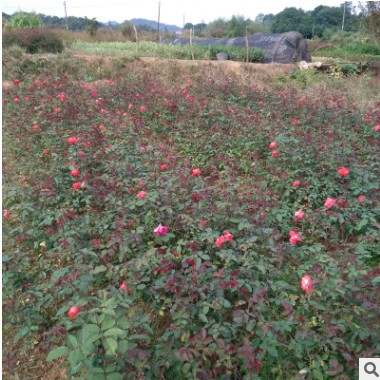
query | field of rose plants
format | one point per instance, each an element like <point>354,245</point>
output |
<point>188,229</point>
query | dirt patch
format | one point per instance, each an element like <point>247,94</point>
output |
<point>7,84</point>
<point>185,69</point>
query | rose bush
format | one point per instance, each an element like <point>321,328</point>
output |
<point>114,244</point>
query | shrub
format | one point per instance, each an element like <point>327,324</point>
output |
<point>235,53</point>
<point>349,69</point>
<point>25,20</point>
<point>360,48</point>
<point>238,53</point>
<point>38,40</point>
<point>91,171</point>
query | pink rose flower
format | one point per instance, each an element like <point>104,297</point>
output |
<point>343,172</point>
<point>141,195</point>
<point>294,237</point>
<point>226,237</point>
<point>361,198</point>
<point>161,230</point>
<point>296,183</point>
<point>73,311</point>
<point>123,288</point>
<point>307,283</point>
<point>72,140</point>
<point>299,214</point>
<point>196,172</point>
<point>77,185</point>
<point>330,202</point>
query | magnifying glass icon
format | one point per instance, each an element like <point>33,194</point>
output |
<point>370,368</point>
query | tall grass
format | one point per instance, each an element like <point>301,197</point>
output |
<point>128,49</point>
<point>160,50</point>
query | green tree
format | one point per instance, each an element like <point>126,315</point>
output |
<point>127,30</point>
<point>199,28</point>
<point>257,27</point>
<point>92,25</point>
<point>370,15</point>
<point>25,20</point>
<point>236,26</point>
<point>188,25</point>
<point>268,20</point>
<point>216,29</point>
<point>325,19</point>
<point>293,19</point>
<point>76,23</point>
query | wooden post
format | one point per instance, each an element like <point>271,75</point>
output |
<point>137,40</point>
<point>191,45</point>
<point>246,44</point>
<point>67,23</point>
<point>158,22</point>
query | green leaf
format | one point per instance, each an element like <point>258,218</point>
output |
<point>114,332</point>
<point>57,353</point>
<point>125,345</point>
<point>88,348</point>
<point>22,332</point>
<point>99,269</point>
<point>75,357</point>
<point>317,375</point>
<point>273,351</point>
<point>72,340</point>
<point>205,309</point>
<point>114,376</point>
<point>110,345</point>
<point>108,323</point>
<point>90,332</point>
<point>138,337</point>
<point>361,224</point>
<point>282,284</point>
<point>375,280</point>
<point>203,318</point>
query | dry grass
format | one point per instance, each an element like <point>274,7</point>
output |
<point>362,91</point>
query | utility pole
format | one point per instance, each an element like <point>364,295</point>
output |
<point>67,22</point>
<point>158,27</point>
<point>344,14</point>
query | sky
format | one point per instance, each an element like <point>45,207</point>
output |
<point>173,12</point>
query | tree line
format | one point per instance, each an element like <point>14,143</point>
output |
<point>321,22</point>
<point>311,24</point>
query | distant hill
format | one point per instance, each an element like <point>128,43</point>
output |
<point>153,25</point>
<point>113,24</point>
<point>79,23</point>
